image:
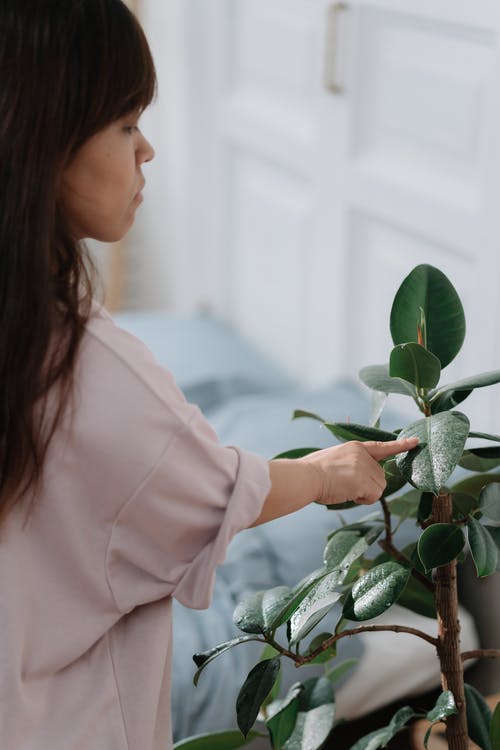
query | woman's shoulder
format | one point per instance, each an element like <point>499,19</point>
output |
<point>119,368</point>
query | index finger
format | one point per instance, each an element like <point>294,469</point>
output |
<point>379,450</point>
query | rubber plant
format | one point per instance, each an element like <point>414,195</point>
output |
<point>427,324</point>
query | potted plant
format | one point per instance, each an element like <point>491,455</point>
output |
<point>453,520</point>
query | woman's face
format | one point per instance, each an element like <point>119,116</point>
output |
<point>101,186</point>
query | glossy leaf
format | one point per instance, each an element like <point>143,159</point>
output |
<point>327,655</point>
<point>448,400</point>
<point>485,436</point>
<point>258,612</point>
<point>282,715</point>
<point>495,727</point>
<point>448,396</point>
<point>442,439</point>
<point>230,739</point>
<point>301,413</point>
<point>417,598</point>
<point>352,431</point>
<point>347,544</point>
<point>426,289</point>
<point>254,691</point>
<point>407,505</point>
<point>425,506</point>
<point>494,532</point>
<point>474,462</point>
<point>439,544</point>
<point>445,706</point>
<point>315,606</point>
<point>376,591</point>
<point>483,548</point>
<point>299,592</point>
<point>415,364</point>
<point>203,659</point>
<point>381,737</point>
<point>463,505</point>
<point>377,378</point>
<point>316,715</point>
<point>478,718</point>
<point>489,501</point>
<point>473,485</point>
<point>395,480</point>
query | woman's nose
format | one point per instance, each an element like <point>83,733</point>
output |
<point>147,152</point>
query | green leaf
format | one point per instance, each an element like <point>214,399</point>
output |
<point>474,460</point>
<point>315,606</point>
<point>254,691</point>
<point>282,715</point>
<point>474,485</point>
<point>447,401</point>
<point>478,718</point>
<point>427,290</point>
<point>347,544</point>
<point>483,548</point>
<point>299,592</point>
<point>203,659</point>
<point>381,737</point>
<point>448,396</point>
<point>444,706</point>
<point>327,655</point>
<point>376,591</point>
<point>494,532</point>
<point>296,453</point>
<point>425,506</point>
<point>339,670</point>
<point>377,378</point>
<point>463,505</point>
<point>417,598</point>
<point>258,612</point>
<point>442,439</point>
<point>439,544</point>
<point>407,505</point>
<point>395,480</point>
<point>495,727</point>
<point>352,431</point>
<point>485,436</point>
<point>230,739</point>
<point>489,502</point>
<point>300,413</point>
<point>415,364</point>
<point>316,715</point>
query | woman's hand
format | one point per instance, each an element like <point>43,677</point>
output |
<point>344,472</point>
<point>351,471</point>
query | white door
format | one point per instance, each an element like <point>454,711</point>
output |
<point>335,146</point>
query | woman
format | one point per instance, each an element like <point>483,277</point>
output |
<point>115,495</point>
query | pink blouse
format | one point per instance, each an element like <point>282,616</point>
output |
<point>138,505</point>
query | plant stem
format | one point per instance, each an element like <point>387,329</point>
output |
<point>448,647</point>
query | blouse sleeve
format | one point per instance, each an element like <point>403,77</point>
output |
<point>173,532</point>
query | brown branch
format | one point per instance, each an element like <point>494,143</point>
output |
<point>387,521</point>
<point>363,629</point>
<point>481,653</point>
<point>388,546</point>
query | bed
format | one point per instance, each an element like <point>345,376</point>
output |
<point>249,401</point>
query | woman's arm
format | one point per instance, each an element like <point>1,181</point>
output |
<point>344,472</point>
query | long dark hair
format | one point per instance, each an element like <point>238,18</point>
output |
<point>68,68</point>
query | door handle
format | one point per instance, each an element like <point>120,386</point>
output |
<point>331,47</point>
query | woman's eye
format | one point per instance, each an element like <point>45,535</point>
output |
<point>131,129</point>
